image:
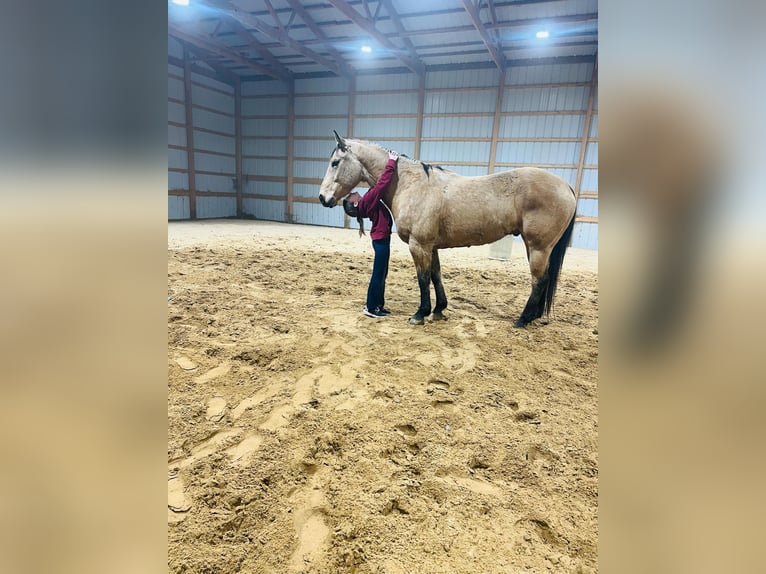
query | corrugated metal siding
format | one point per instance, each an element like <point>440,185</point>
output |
<point>271,210</point>
<point>176,113</point>
<point>273,188</point>
<point>589,180</point>
<point>175,88</point>
<point>212,99</point>
<point>549,74</point>
<point>177,158</point>
<point>214,142</point>
<point>591,153</point>
<point>314,148</point>
<point>270,147</point>
<point>178,180</point>
<point>210,162</point>
<point>321,85</point>
<point>564,126</point>
<point>276,106</point>
<point>458,127</point>
<point>462,79</point>
<point>460,102</point>
<point>375,82</point>
<point>585,235</point>
<point>178,207</point>
<point>593,126</point>
<point>587,207</point>
<point>176,135</point>
<point>443,152</point>
<point>265,127</point>
<point>213,121</point>
<point>319,127</point>
<point>271,87</point>
<point>267,167</point>
<point>219,183</point>
<point>310,169</point>
<point>321,105</point>
<point>545,99</point>
<point>386,104</point>
<point>370,128</point>
<point>533,153</point>
<point>209,207</point>
<point>316,214</point>
<point>205,81</point>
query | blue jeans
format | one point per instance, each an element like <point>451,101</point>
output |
<point>376,292</point>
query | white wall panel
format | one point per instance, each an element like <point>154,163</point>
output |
<point>568,175</point>
<point>205,81</point>
<point>270,87</point>
<point>176,135</point>
<point>377,82</point>
<point>175,89</point>
<point>458,127</point>
<point>218,183</point>
<point>314,148</point>
<point>275,188</point>
<point>549,74</point>
<point>460,102</point>
<point>209,207</point>
<point>269,147</point>
<point>306,190</point>
<point>175,70</point>
<point>564,126</point>
<point>213,121</point>
<point>212,99</point>
<point>585,235</point>
<point>446,151</point>
<point>462,79</point>
<point>321,105</point>
<point>211,162</point>
<point>386,104</point>
<point>313,169</point>
<point>545,99</point>
<point>270,210</point>
<point>316,214</point>
<point>213,142</point>
<point>593,126</point>
<point>177,158</point>
<point>270,167</point>
<point>321,85</point>
<point>370,128</point>
<point>591,153</point>
<point>261,127</point>
<point>587,207</point>
<point>589,180</point>
<point>178,207</point>
<point>319,127</point>
<point>538,152</point>
<point>177,180</point>
<point>176,113</point>
<point>467,170</point>
<point>265,106</point>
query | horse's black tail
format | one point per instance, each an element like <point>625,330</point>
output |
<point>554,266</point>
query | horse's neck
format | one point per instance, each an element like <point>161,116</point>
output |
<point>374,161</point>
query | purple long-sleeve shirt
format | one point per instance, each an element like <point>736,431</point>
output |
<point>371,204</point>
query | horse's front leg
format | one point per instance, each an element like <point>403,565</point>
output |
<point>422,258</point>
<point>441,296</point>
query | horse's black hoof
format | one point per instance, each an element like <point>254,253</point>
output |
<point>520,324</point>
<point>415,320</point>
<point>437,316</point>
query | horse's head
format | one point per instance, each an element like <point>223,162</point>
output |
<point>343,174</point>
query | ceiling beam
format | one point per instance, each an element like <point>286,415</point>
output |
<point>255,45</point>
<point>496,54</point>
<point>248,20</point>
<point>210,46</point>
<point>413,64</point>
<point>318,32</point>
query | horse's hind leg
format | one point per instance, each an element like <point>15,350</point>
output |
<point>436,278</point>
<point>538,266</point>
<point>422,258</point>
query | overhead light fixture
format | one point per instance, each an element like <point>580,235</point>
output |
<point>542,34</point>
<point>180,2</point>
<point>366,49</point>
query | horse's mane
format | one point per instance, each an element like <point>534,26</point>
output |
<point>426,166</point>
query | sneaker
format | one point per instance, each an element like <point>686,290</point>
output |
<point>375,313</point>
<point>384,311</point>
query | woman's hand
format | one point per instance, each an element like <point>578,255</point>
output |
<point>393,155</point>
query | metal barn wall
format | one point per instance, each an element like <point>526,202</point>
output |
<point>474,122</point>
<point>202,140</point>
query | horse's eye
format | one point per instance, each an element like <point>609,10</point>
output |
<point>335,163</point>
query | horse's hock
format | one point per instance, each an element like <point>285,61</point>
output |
<point>501,249</point>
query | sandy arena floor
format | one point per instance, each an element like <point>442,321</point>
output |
<point>305,437</point>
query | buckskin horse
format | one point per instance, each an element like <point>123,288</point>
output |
<point>436,208</point>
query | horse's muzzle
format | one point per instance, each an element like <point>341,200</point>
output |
<point>332,202</point>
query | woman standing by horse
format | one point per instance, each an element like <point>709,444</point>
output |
<point>371,206</point>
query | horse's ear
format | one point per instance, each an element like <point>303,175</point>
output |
<point>341,141</point>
